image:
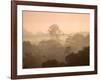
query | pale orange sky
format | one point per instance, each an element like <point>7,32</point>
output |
<point>68,22</point>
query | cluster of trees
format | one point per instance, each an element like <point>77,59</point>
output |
<point>30,55</point>
<point>35,57</point>
<point>73,59</point>
<point>78,59</point>
<point>51,53</point>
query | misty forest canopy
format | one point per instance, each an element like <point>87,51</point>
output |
<point>56,49</point>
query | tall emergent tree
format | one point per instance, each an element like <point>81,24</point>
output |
<point>54,31</point>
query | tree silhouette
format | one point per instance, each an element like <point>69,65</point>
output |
<point>54,31</point>
<point>78,40</point>
<point>31,55</point>
<point>27,58</point>
<point>78,59</point>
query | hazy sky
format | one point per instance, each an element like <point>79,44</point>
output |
<point>68,23</point>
